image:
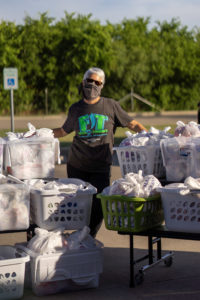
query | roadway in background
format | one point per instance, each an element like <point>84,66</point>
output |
<point>53,121</point>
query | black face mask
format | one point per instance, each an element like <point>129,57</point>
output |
<point>91,91</point>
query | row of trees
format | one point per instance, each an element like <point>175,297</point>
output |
<point>161,64</point>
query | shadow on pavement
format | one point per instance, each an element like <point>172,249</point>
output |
<point>181,280</point>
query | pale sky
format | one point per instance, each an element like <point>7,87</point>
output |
<point>186,11</point>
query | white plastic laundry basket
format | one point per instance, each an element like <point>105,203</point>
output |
<point>51,209</point>
<point>14,207</point>
<point>181,212</point>
<point>2,145</point>
<point>64,271</point>
<point>30,158</point>
<point>181,157</point>
<point>12,270</point>
<point>146,158</point>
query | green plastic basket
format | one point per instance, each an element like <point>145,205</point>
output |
<point>130,214</point>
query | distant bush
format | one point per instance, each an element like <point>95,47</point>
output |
<point>160,64</point>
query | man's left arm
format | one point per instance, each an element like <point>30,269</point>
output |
<point>136,126</point>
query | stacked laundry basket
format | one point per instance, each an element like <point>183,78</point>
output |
<point>31,195</point>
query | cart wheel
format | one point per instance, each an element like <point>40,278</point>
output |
<point>139,278</point>
<point>168,262</point>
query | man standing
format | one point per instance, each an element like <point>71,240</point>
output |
<point>94,120</point>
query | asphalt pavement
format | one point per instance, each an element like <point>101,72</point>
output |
<point>179,281</point>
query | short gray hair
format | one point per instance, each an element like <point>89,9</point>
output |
<point>97,71</point>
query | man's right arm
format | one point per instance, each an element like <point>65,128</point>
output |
<point>59,132</point>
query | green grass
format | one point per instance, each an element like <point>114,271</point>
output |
<point>119,135</point>
<point>3,131</point>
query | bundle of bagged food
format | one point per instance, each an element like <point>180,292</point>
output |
<point>31,154</point>
<point>181,153</point>
<point>141,151</point>
<point>62,255</point>
<point>138,201</point>
<point>167,156</point>
<point>61,261</point>
<point>14,215</point>
<point>132,203</point>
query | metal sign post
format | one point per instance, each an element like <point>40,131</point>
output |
<point>10,80</point>
<point>12,110</point>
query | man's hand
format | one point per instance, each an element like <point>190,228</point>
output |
<point>59,132</point>
<point>136,126</point>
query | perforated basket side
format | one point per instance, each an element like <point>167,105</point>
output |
<point>12,271</point>
<point>145,158</point>
<point>62,271</point>
<point>12,281</point>
<point>181,212</point>
<point>122,213</point>
<point>52,211</point>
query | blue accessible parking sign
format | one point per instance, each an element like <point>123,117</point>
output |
<point>10,78</point>
<point>11,82</point>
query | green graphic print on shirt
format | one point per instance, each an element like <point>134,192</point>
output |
<point>92,125</point>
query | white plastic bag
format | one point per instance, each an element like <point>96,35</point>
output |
<point>192,183</point>
<point>46,241</point>
<point>152,137</point>
<point>149,185</point>
<point>134,185</point>
<point>80,239</point>
<point>190,129</point>
<point>121,187</point>
<point>14,206</point>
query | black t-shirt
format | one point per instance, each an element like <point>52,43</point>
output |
<point>198,116</point>
<point>94,126</point>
